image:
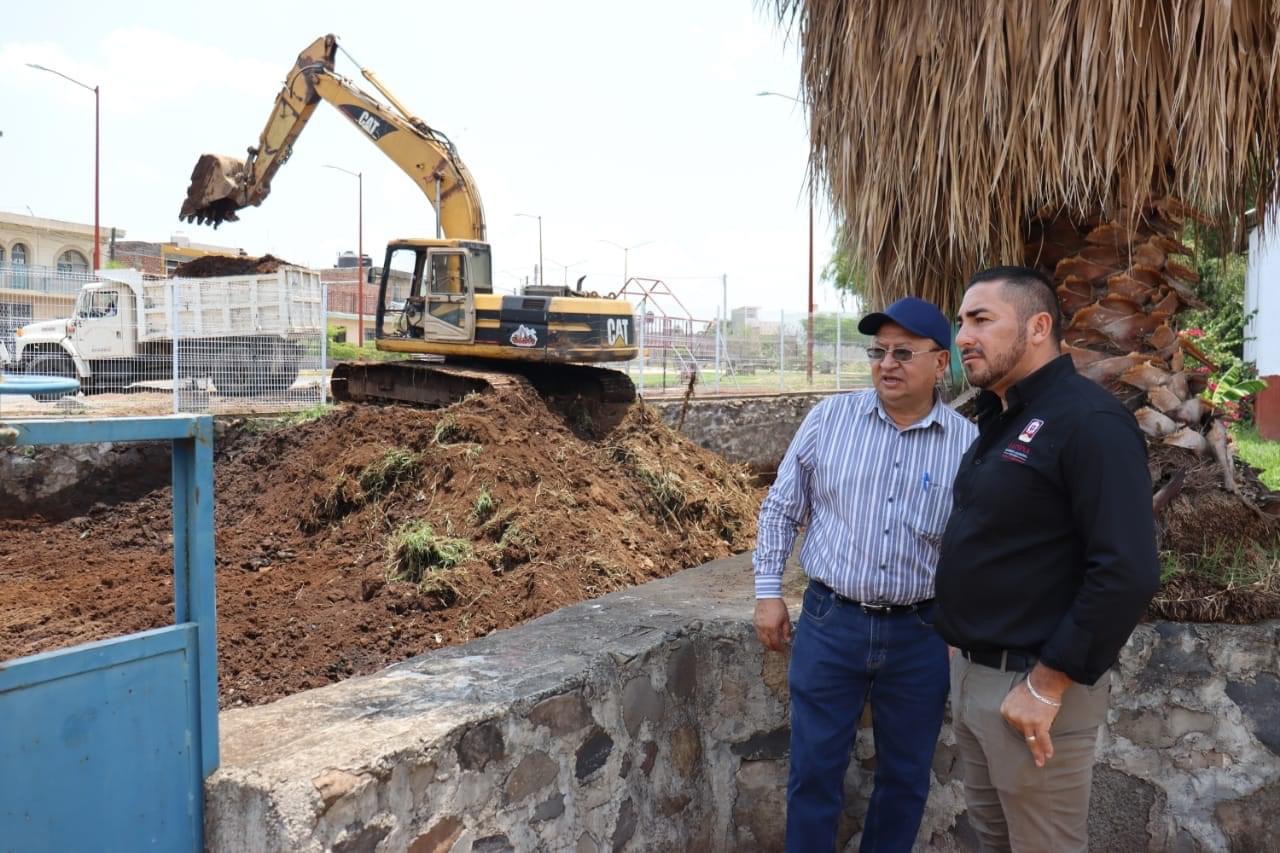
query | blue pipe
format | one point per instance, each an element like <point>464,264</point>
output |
<point>23,383</point>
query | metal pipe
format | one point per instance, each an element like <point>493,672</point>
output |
<point>839,323</point>
<point>782,351</point>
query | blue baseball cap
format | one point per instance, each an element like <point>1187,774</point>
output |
<point>916,316</point>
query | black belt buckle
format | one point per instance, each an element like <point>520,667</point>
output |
<point>880,608</point>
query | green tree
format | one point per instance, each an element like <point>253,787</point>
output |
<point>844,274</point>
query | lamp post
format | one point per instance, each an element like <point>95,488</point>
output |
<point>538,216</point>
<point>809,324</point>
<point>97,227</point>
<point>359,176</point>
<point>626,251</point>
<point>566,268</point>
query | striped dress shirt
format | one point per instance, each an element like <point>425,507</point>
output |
<point>876,499</point>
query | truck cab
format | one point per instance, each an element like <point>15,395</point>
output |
<point>101,326</point>
<point>103,322</point>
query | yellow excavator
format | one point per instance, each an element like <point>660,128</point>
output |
<point>440,306</point>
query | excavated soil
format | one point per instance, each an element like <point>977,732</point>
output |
<point>210,266</point>
<point>529,510</point>
<point>1226,541</point>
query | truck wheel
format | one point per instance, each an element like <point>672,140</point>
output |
<point>280,373</point>
<point>234,376</point>
<point>52,364</point>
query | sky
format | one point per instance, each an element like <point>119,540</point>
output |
<point>631,123</point>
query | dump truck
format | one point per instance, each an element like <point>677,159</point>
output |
<point>240,331</point>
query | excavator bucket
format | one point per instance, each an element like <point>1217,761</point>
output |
<point>214,194</point>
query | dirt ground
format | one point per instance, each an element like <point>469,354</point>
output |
<point>528,509</point>
<point>210,266</point>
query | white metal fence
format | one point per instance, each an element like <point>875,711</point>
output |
<point>147,345</point>
<point>768,355</point>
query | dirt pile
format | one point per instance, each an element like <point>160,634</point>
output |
<point>1219,547</point>
<point>490,512</point>
<point>210,266</point>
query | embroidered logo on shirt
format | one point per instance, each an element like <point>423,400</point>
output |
<point>1029,431</point>
<point>1016,452</point>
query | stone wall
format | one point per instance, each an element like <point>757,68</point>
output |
<point>750,430</point>
<point>63,481</point>
<point>652,720</point>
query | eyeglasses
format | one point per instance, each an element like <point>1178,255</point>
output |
<point>902,355</point>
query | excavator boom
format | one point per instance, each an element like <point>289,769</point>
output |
<point>222,185</point>
<point>436,297</point>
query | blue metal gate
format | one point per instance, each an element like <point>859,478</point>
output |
<point>105,746</point>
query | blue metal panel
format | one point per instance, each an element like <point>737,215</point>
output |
<point>97,747</point>
<point>106,746</point>
<point>193,561</point>
<point>77,431</point>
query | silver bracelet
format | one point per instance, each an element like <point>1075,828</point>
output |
<point>1035,695</point>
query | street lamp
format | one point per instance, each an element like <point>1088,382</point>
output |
<point>809,332</point>
<point>626,251</point>
<point>359,176</point>
<point>566,268</point>
<point>541,274</point>
<point>97,228</point>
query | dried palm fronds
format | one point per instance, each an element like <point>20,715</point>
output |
<point>939,128</point>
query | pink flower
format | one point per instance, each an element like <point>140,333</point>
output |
<point>1193,333</point>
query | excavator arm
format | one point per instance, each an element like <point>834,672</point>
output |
<point>221,186</point>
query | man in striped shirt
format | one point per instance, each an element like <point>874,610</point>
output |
<point>870,475</point>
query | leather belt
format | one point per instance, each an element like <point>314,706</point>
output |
<point>1005,660</point>
<point>880,608</point>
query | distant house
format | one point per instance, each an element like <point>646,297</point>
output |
<point>1262,325</point>
<point>42,263</point>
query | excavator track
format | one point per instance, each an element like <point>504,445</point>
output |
<point>438,384</point>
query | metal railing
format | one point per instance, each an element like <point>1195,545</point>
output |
<point>766,356</point>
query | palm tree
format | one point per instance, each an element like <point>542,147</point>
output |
<point>1078,136</point>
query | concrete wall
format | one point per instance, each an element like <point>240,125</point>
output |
<point>67,480</point>
<point>750,430</point>
<point>651,720</point>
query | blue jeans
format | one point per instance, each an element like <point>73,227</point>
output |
<point>841,656</point>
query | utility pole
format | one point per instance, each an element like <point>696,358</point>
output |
<point>538,278</point>
<point>97,136</point>
<point>359,176</point>
<point>809,334</point>
<point>810,306</point>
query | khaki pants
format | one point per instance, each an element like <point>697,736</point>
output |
<point>1014,805</point>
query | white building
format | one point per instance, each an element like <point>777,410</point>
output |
<point>1262,322</point>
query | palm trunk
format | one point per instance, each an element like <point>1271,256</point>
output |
<point>1121,287</point>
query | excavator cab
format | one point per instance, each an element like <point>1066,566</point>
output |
<point>428,289</point>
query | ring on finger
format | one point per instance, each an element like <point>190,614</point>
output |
<point>1031,738</point>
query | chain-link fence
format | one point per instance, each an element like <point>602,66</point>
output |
<point>759,355</point>
<point>146,345</point>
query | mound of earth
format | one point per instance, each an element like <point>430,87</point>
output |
<point>211,266</point>
<point>1222,544</point>
<point>373,534</point>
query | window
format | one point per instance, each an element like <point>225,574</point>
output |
<point>1,254</point>
<point>19,254</point>
<point>446,274</point>
<point>72,261</point>
<point>94,304</point>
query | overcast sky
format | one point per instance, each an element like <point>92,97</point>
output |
<point>633,123</point>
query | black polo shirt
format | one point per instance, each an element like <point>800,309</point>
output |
<point>1050,548</point>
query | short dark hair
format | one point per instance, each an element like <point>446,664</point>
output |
<point>1028,289</point>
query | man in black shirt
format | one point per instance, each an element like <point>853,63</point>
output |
<point>1047,564</point>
